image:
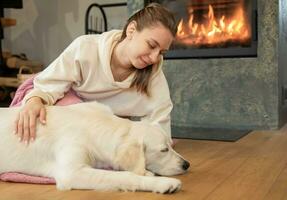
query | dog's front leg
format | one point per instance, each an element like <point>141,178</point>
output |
<point>98,179</point>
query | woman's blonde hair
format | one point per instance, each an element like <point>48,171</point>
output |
<point>149,16</point>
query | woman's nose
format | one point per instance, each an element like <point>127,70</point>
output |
<point>154,57</point>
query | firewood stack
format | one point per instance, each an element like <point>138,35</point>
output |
<point>6,22</point>
<point>16,63</point>
<point>14,69</point>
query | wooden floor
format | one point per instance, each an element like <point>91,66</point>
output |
<point>255,167</point>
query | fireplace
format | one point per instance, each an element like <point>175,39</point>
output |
<point>213,28</point>
<point>237,92</point>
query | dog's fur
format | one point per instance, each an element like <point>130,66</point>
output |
<point>79,139</point>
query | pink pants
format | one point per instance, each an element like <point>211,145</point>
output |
<point>69,98</point>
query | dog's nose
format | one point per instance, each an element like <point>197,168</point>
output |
<point>185,165</point>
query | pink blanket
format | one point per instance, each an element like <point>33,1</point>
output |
<point>69,98</point>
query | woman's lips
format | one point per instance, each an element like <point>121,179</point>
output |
<point>145,62</point>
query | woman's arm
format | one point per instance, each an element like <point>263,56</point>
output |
<point>51,84</point>
<point>161,104</point>
<point>161,116</point>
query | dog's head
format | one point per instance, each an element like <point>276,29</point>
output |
<point>148,148</point>
<point>160,157</point>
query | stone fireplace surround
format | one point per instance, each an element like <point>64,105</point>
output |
<point>223,98</point>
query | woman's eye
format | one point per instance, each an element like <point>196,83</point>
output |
<point>151,46</point>
<point>164,150</point>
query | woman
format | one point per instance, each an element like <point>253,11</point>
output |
<point>121,69</point>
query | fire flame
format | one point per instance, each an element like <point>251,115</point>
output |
<point>214,30</point>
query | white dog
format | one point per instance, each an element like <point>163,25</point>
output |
<point>79,138</point>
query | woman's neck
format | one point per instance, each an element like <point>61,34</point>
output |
<point>120,65</point>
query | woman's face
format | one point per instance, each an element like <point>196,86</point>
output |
<point>146,47</point>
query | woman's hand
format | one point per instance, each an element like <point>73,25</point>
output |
<point>25,124</point>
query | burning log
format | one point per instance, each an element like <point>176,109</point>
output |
<point>214,29</point>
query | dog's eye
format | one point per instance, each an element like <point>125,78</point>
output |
<point>164,150</point>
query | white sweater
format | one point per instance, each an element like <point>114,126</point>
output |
<point>85,67</point>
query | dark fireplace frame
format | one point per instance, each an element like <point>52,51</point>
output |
<point>230,52</point>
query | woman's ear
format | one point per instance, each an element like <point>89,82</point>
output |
<point>130,157</point>
<point>131,29</point>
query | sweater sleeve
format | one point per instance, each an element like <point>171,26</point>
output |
<point>51,84</point>
<point>161,104</point>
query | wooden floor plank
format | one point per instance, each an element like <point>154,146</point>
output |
<point>278,190</point>
<point>258,172</point>
<point>211,172</point>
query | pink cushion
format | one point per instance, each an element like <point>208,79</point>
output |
<point>25,178</point>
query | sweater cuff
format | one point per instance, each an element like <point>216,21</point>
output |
<point>37,93</point>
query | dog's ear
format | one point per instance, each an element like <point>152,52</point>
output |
<point>130,156</point>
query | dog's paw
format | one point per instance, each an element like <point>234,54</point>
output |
<point>63,187</point>
<point>165,185</point>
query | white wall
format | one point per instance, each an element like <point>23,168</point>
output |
<point>45,27</point>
